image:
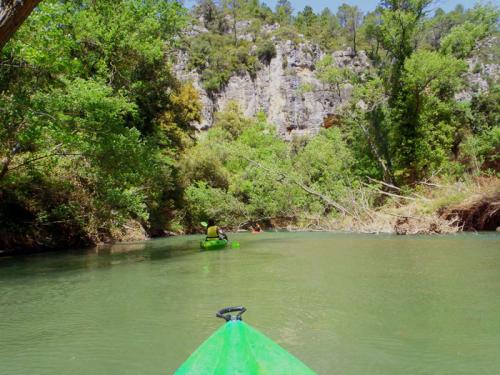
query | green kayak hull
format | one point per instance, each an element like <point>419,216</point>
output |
<point>213,244</point>
<point>237,348</point>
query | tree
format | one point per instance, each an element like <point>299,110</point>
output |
<point>462,38</point>
<point>235,8</point>
<point>401,21</point>
<point>284,11</point>
<point>327,29</point>
<point>424,122</point>
<point>80,105</point>
<point>12,15</point>
<point>266,51</point>
<point>306,18</point>
<point>350,18</point>
<point>440,25</point>
<point>213,17</point>
<point>332,76</point>
<point>370,31</point>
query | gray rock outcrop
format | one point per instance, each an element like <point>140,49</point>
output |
<point>483,69</point>
<point>287,90</point>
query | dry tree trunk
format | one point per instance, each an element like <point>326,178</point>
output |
<point>12,15</point>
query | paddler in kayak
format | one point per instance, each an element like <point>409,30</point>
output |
<point>214,232</point>
<point>256,229</point>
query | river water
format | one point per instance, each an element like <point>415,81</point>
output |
<point>342,303</point>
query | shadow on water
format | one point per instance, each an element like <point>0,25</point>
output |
<point>103,256</point>
<point>107,256</point>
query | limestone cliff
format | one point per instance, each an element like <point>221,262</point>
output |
<point>286,89</point>
<point>483,69</point>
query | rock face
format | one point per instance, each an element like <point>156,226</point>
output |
<point>287,90</point>
<point>293,98</point>
<point>483,69</point>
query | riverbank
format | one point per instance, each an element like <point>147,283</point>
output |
<point>431,208</point>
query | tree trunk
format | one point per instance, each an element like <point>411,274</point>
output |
<point>12,15</point>
<point>354,39</point>
<point>234,24</point>
<point>5,163</point>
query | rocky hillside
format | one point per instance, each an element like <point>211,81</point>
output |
<point>286,89</point>
<point>483,68</point>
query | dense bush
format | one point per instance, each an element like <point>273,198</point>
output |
<point>266,51</point>
<point>81,96</point>
<point>241,171</point>
<point>217,59</point>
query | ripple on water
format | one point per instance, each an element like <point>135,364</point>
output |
<point>342,303</point>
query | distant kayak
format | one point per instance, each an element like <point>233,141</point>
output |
<point>213,244</point>
<point>237,348</point>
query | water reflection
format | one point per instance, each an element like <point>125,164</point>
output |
<point>344,304</point>
<point>102,256</point>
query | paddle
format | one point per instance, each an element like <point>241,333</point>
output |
<point>234,244</point>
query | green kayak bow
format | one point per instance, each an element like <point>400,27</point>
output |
<point>237,348</point>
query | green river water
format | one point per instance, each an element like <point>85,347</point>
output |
<point>343,304</point>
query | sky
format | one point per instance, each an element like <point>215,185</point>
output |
<point>365,5</point>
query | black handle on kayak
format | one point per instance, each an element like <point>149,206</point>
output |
<point>225,313</point>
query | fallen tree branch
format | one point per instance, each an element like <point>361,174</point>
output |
<point>264,218</point>
<point>384,183</point>
<point>304,187</point>
<point>431,184</point>
<point>387,193</point>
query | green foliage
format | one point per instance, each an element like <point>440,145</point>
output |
<point>370,32</point>
<point>350,18</point>
<point>284,11</point>
<point>82,88</point>
<point>462,39</point>
<point>204,201</point>
<point>95,131</point>
<point>266,51</point>
<point>287,32</point>
<point>306,87</point>
<point>326,164</point>
<point>441,24</point>
<point>323,28</point>
<point>212,15</point>
<point>217,58</point>
<point>231,121</point>
<point>480,148</point>
<point>332,75</point>
<point>424,115</point>
<point>485,110</point>
<point>411,125</point>
<point>482,151</point>
<point>252,174</point>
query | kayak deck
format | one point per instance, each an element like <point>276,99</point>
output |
<point>237,348</point>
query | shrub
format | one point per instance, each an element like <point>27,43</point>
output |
<point>266,51</point>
